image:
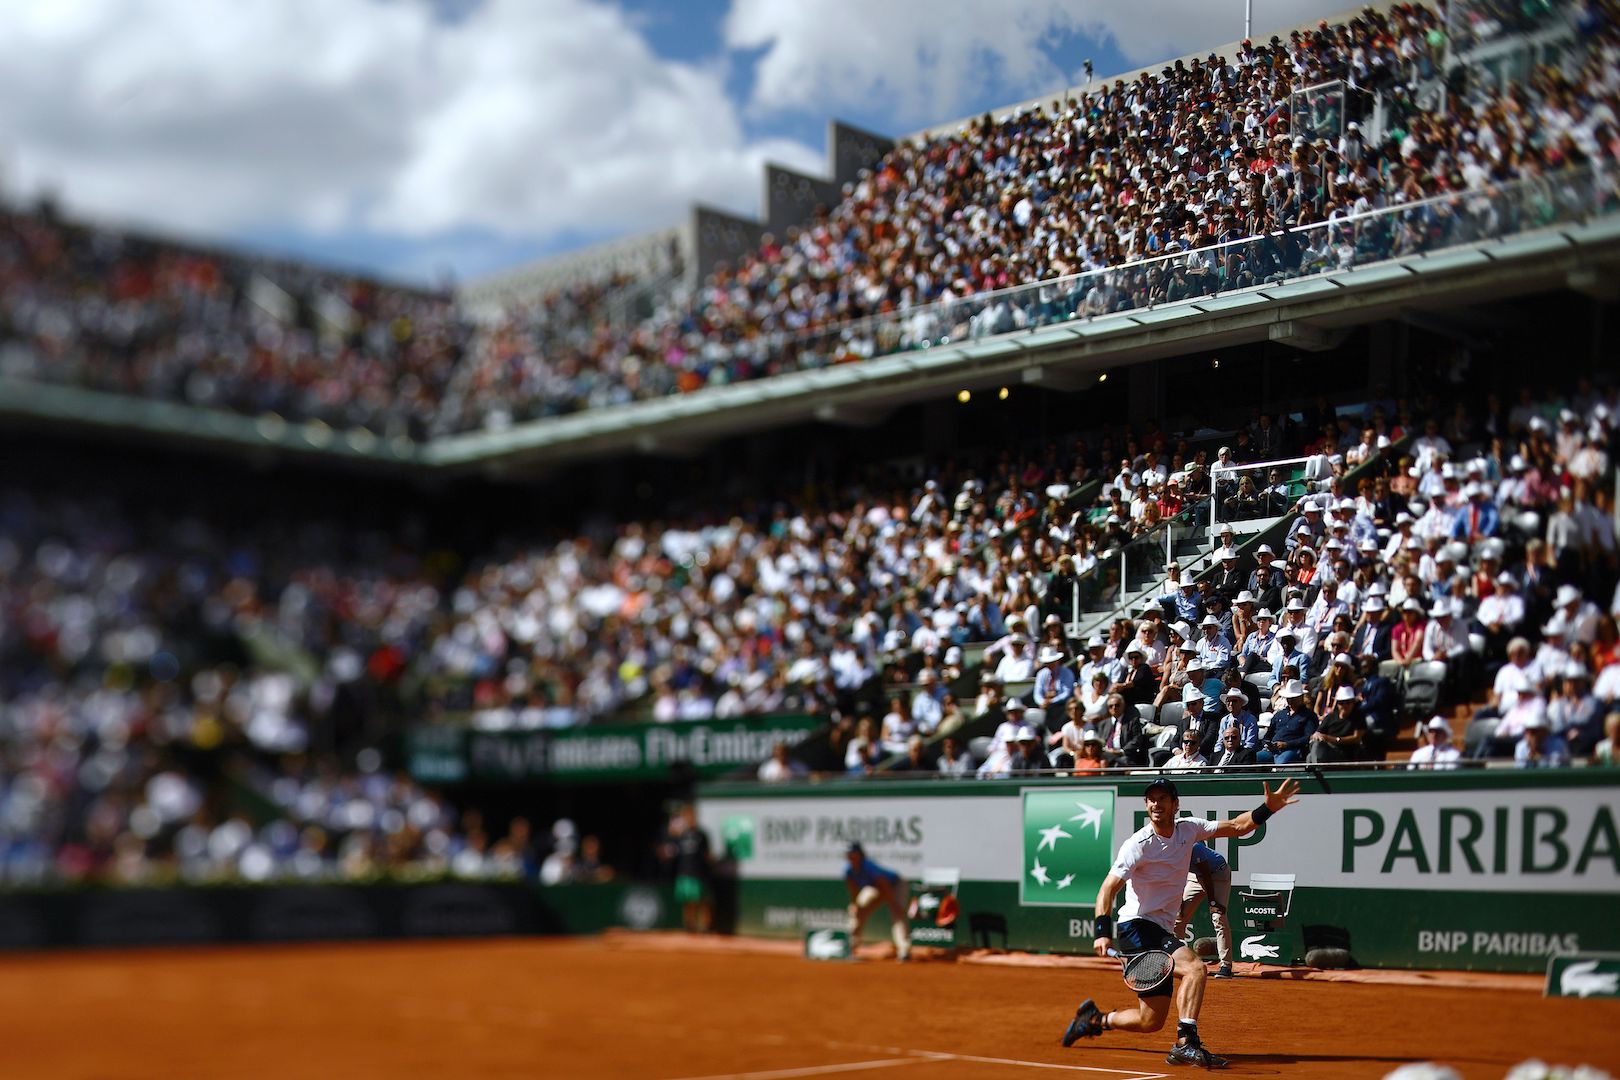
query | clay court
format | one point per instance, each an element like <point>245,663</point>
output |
<point>664,1006</point>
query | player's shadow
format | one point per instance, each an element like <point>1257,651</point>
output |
<point>1295,1059</point>
<point>1289,1059</point>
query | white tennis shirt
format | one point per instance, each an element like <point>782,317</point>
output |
<point>1154,869</point>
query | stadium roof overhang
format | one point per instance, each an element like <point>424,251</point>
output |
<point>1308,313</point>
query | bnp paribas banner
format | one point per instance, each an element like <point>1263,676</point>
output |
<point>1068,845</point>
<point>1057,842</point>
<point>1483,869</point>
<point>787,838</point>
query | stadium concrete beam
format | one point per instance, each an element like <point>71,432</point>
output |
<point>851,415</point>
<point>29,405</point>
<point>1076,352</point>
<point>1051,379</point>
<point>1469,325</point>
<point>669,446</point>
<point>1598,283</point>
<point>1305,337</point>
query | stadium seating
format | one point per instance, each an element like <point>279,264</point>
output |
<point>188,695</point>
<point>914,252</point>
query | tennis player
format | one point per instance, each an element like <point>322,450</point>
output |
<point>1152,868</point>
<point>870,887</point>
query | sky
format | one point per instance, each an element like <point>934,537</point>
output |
<point>437,140</point>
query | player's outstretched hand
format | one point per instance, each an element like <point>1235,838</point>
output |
<point>1283,796</point>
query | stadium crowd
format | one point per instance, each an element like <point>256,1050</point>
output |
<point>156,670</point>
<point>1173,163</point>
<point>186,695</point>
<point>1474,560</point>
<point>111,310</point>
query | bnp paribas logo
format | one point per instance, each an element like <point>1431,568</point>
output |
<point>1068,846</point>
<point>737,834</point>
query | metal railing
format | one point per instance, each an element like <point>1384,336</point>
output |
<point>1300,768</point>
<point>1155,548</point>
<point>1408,229</point>
<point>1472,23</point>
<point>1258,500</point>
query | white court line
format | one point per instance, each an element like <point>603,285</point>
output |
<point>813,1070</point>
<point>1125,1074</point>
<point>919,1057</point>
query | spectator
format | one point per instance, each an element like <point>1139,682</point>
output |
<point>1090,758</point>
<point>1188,756</point>
<point>589,868</point>
<point>1123,740</point>
<point>1380,704</point>
<point>1025,755</point>
<point>1016,666</point>
<point>916,758</point>
<point>1232,752</point>
<point>1339,733</point>
<point>1372,637</point>
<point>1575,714</point>
<point>1005,742</point>
<point>954,763</point>
<point>1608,751</point>
<point>1406,641</point>
<point>1291,728</point>
<point>1540,748</point>
<point>1240,719</point>
<point>1054,682</point>
<point>1139,683</point>
<point>1437,751</point>
<point>861,748</point>
<point>780,768</point>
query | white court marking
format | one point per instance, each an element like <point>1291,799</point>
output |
<point>812,1070</point>
<point>1128,1074</point>
<point>920,1057</point>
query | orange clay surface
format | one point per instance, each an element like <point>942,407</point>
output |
<point>666,1006</point>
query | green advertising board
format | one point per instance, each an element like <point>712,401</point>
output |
<point>1584,975</point>
<point>1492,870</point>
<point>446,754</point>
<point>1068,846</point>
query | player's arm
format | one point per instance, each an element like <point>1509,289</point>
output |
<point>1250,820</point>
<point>1104,912</point>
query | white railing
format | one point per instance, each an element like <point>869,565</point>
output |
<point>1231,502</point>
<point>1408,229</point>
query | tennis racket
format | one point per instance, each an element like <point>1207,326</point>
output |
<point>1144,970</point>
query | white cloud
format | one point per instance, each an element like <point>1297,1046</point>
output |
<point>929,59</point>
<point>527,118</point>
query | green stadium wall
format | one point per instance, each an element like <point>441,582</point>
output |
<point>1481,870</point>
<point>239,914</point>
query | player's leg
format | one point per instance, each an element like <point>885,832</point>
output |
<point>1151,1011</point>
<point>866,902</point>
<point>900,928</point>
<point>688,891</point>
<point>1191,897</point>
<point>1153,1005</point>
<point>1218,914</point>
<point>705,912</point>
<point>1189,1048</point>
<point>1190,994</point>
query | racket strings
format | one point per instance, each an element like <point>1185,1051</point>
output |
<point>1146,970</point>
